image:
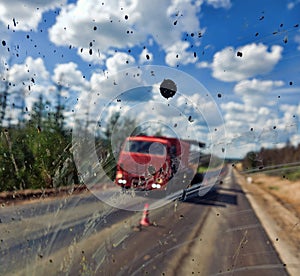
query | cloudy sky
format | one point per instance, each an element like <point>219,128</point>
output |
<point>243,58</point>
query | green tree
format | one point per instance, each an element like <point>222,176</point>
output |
<point>109,146</point>
<point>47,142</point>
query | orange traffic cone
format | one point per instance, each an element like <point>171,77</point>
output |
<point>145,218</point>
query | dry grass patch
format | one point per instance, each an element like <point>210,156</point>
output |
<point>286,191</point>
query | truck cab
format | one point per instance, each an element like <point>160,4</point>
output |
<point>149,162</point>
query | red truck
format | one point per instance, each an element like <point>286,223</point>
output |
<point>150,162</point>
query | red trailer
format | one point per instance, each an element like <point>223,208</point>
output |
<point>150,162</point>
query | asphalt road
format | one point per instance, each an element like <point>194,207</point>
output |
<point>214,234</point>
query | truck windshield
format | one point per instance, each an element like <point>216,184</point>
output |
<point>146,147</point>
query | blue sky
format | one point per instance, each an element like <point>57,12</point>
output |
<point>246,54</point>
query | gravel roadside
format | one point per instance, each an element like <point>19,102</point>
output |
<point>280,220</point>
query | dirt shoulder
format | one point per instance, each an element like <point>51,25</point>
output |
<point>31,195</point>
<point>285,191</point>
<point>276,202</point>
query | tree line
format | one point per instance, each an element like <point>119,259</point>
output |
<point>36,152</point>
<point>33,151</point>
<point>280,161</point>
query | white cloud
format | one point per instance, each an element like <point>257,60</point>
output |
<point>254,92</point>
<point>70,77</point>
<point>92,56</point>
<point>203,110</point>
<point>25,15</point>
<point>174,119</point>
<point>290,118</point>
<point>297,40</point>
<point>32,71</point>
<point>178,54</point>
<point>31,79</point>
<point>240,118</point>
<point>4,52</point>
<point>107,87</point>
<point>28,81</point>
<point>292,4</point>
<point>239,112</point>
<point>118,62</point>
<point>295,140</point>
<point>290,110</point>
<point>203,64</point>
<point>145,57</point>
<point>185,12</point>
<point>258,126</point>
<point>89,25</point>
<point>219,3</point>
<point>255,85</point>
<point>255,60</point>
<point>104,25</point>
<point>96,80</point>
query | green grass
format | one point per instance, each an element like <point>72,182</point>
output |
<point>291,174</point>
<point>202,169</point>
<point>276,188</point>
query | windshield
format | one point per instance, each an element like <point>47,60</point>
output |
<point>152,148</point>
<point>206,94</point>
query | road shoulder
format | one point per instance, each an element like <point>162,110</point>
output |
<point>280,223</point>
